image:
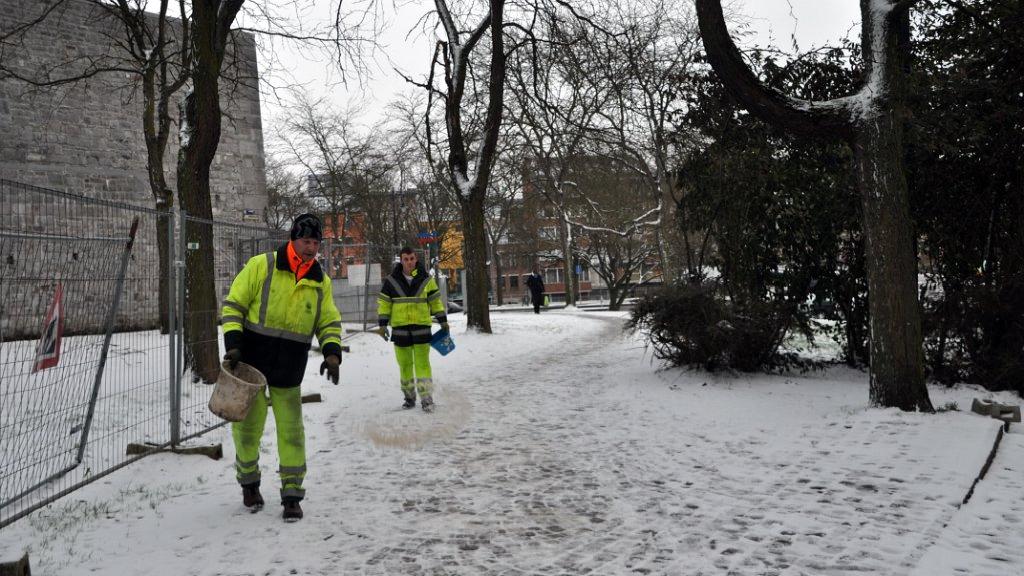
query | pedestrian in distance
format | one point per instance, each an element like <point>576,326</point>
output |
<point>276,304</point>
<point>535,282</point>
<point>408,300</point>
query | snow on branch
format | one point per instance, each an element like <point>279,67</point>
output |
<point>634,226</point>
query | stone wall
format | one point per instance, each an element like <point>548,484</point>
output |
<point>86,139</point>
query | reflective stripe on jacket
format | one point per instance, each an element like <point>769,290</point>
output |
<point>403,303</point>
<point>273,319</point>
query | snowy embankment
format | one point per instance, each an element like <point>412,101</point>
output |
<point>559,448</point>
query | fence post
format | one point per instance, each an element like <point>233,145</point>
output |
<point>366,285</point>
<point>111,318</point>
<point>239,253</point>
<point>179,339</point>
<point>172,331</point>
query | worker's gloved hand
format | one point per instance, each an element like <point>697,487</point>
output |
<point>383,332</point>
<point>330,365</point>
<point>233,356</point>
<point>444,326</point>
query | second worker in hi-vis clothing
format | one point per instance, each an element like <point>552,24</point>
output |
<point>408,300</point>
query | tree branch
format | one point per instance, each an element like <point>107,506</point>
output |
<point>817,119</point>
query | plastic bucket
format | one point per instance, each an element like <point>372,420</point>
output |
<point>442,342</point>
<point>235,390</point>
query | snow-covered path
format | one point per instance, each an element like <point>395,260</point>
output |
<point>557,448</point>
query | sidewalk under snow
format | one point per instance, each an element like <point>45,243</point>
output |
<point>559,447</point>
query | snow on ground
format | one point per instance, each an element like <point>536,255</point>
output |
<point>985,536</point>
<point>559,447</point>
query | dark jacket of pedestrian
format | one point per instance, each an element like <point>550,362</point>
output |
<point>535,282</point>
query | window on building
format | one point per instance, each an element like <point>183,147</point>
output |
<point>553,276</point>
<point>513,281</point>
<point>548,233</point>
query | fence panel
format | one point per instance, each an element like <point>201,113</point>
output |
<point>101,347</point>
<point>66,415</point>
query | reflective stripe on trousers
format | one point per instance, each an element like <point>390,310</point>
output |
<point>414,366</point>
<point>291,440</point>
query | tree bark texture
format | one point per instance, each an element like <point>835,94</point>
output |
<point>897,357</point>
<point>156,126</point>
<point>565,236</point>
<point>871,121</point>
<point>475,259</point>
<point>201,118</point>
<point>499,282</point>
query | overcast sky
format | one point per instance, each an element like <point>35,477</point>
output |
<point>813,22</point>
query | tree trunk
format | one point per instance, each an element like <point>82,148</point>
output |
<point>163,224</point>
<point>201,352</point>
<point>663,232</point>
<point>1005,339</point>
<point>475,260</point>
<point>201,119</point>
<point>155,128</point>
<point>614,302</point>
<point>164,198</point>
<point>897,362</point>
<point>570,297</point>
<point>623,291</point>
<point>499,283</point>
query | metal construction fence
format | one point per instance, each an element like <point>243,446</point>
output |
<point>84,369</point>
<point>98,336</point>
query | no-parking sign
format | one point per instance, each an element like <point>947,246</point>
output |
<point>48,352</point>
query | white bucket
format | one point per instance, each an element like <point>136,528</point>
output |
<point>235,390</point>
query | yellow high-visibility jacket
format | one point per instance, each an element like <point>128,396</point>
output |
<point>409,306</point>
<point>272,318</point>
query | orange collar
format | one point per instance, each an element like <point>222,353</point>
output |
<point>299,268</point>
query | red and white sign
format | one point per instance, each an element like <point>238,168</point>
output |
<point>48,352</point>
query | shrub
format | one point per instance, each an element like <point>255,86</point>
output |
<point>693,325</point>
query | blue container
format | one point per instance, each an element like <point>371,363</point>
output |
<point>442,342</point>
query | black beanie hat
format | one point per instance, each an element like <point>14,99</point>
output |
<point>307,226</point>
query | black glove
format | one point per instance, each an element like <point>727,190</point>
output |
<point>330,364</point>
<point>233,356</point>
<point>383,332</point>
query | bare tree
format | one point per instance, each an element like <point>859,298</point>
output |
<point>471,182</point>
<point>871,121</point>
<point>438,208</point>
<point>642,65</point>
<point>286,195</point>
<point>553,105</point>
<point>333,151</point>
<point>502,201</point>
<point>616,249</point>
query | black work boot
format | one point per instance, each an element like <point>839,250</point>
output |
<point>292,511</point>
<point>427,402</point>
<point>410,401</point>
<point>251,497</point>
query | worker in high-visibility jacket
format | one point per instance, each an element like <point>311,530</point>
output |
<point>408,299</point>
<point>277,303</point>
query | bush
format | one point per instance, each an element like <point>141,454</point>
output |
<point>692,325</point>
